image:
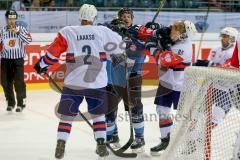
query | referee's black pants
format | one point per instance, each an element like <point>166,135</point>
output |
<point>12,74</point>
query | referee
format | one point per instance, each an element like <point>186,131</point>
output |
<point>13,38</point>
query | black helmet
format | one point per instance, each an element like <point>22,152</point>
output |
<point>125,10</point>
<point>11,14</point>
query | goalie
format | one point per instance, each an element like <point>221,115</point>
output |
<point>220,56</point>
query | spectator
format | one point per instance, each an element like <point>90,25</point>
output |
<point>36,4</point>
<point>18,5</point>
<point>63,3</point>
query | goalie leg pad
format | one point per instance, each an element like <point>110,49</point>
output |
<point>218,115</point>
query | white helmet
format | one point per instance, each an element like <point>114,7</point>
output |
<point>231,32</point>
<point>87,12</point>
<point>190,29</point>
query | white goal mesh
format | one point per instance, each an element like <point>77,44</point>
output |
<point>209,96</point>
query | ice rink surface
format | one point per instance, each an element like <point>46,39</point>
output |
<point>31,135</point>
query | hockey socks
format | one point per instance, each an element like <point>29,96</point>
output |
<point>165,127</point>
<point>110,129</point>
<point>165,121</point>
<point>139,129</point>
<point>99,127</point>
<point>138,122</point>
<point>64,129</point>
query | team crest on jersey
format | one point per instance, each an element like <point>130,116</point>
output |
<point>168,58</point>
<point>12,43</point>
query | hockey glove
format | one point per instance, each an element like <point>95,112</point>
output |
<point>40,70</point>
<point>201,62</point>
<point>119,26</point>
<point>153,25</point>
<point>162,32</point>
<point>163,35</point>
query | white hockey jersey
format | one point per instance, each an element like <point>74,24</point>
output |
<point>86,50</point>
<point>218,56</point>
<point>174,77</point>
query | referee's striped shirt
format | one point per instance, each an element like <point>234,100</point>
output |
<point>12,45</point>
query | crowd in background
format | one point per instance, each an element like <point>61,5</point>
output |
<point>37,5</point>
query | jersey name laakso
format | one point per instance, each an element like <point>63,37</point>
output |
<point>85,37</point>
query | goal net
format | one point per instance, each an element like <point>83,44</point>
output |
<point>209,108</point>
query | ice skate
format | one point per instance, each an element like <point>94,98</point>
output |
<point>138,145</point>
<point>102,149</point>
<point>114,142</point>
<point>19,109</point>
<point>60,149</point>
<point>9,108</point>
<point>155,151</point>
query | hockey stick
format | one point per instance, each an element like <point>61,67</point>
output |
<point>162,2</point>
<point>203,31</point>
<point>130,140</point>
<point>119,152</point>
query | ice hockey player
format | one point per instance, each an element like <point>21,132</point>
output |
<point>175,57</point>
<point>223,53</point>
<point>86,75</point>
<point>133,51</point>
<point>220,56</point>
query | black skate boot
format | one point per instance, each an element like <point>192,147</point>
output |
<point>20,108</point>
<point>155,151</point>
<point>21,104</point>
<point>138,145</point>
<point>9,108</point>
<point>114,141</point>
<point>102,149</point>
<point>60,149</point>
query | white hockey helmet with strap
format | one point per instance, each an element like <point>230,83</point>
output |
<point>190,29</point>
<point>88,12</point>
<point>231,32</point>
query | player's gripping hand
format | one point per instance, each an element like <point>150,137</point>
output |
<point>40,70</point>
<point>152,25</point>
